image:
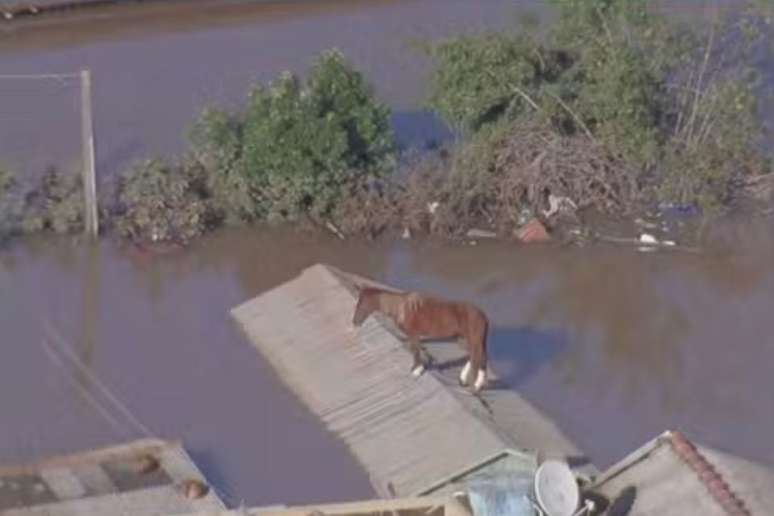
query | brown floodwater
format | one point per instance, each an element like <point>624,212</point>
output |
<point>613,344</point>
<point>154,68</point>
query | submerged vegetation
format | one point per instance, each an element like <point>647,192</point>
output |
<point>677,103</point>
<point>9,206</point>
<point>613,107</point>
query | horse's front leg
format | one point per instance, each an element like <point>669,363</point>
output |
<point>418,367</point>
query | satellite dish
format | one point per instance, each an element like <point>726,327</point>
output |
<point>556,491</point>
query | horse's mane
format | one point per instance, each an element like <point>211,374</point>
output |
<point>399,305</point>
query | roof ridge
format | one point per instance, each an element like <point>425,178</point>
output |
<point>708,475</point>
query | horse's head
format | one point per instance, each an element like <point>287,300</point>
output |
<point>366,305</point>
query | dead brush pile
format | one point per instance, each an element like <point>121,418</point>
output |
<point>494,181</point>
<point>534,161</point>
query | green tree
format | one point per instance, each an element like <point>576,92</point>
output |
<point>297,147</point>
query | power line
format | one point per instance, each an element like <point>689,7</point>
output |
<point>40,76</point>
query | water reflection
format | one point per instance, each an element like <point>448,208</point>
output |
<point>89,314</point>
<point>519,353</point>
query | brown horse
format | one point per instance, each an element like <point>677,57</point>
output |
<point>422,317</point>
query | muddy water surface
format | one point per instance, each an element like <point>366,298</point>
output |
<point>615,345</point>
<point>154,69</point>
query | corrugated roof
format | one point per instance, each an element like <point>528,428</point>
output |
<point>408,433</point>
<point>670,476</point>
<point>144,477</point>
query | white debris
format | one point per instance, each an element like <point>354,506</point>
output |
<point>481,233</point>
<point>645,224</point>
<point>556,203</point>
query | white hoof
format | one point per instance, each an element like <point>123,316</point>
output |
<point>417,371</point>
<point>480,380</point>
<point>465,373</point>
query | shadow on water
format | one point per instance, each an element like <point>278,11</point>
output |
<point>419,129</point>
<point>521,352</point>
<point>210,465</point>
<point>514,353</point>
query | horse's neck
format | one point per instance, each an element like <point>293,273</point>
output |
<point>392,304</point>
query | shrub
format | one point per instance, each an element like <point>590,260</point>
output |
<point>479,79</point>
<point>498,179</point>
<point>216,144</point>
<point>56,204</point>
<point>159,202</point>
<point>677,103</point>
<point>298,147</point>
<point>716,132</point>
<point>598,51</point>
<point>10,205</point>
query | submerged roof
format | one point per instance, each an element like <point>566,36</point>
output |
<point>140,478</point>
<point>422,506</point>
<point>670,476</point>
<point>410,434</point>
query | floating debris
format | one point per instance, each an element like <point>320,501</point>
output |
<point>481,233</point>
<point>333,229</point>
<point>533,231</point>
<point>678,210</point>
<point>558,204</point>
<point>645,224</point>
<point>193,489</point>
<point>146,464</point>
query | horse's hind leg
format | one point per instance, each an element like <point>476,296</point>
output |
<point>465,373</point>
<point>418,367</point>
<point>476,340</point>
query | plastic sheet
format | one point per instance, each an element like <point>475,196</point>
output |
<point>502,495</point>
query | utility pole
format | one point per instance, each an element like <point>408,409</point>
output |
<point>90,219</point>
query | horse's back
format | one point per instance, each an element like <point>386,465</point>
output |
<point>443,317</point>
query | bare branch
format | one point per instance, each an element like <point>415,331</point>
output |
<point>574,116</point>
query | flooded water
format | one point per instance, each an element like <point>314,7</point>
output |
<point>154,69</point>
<point>615,345</point>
